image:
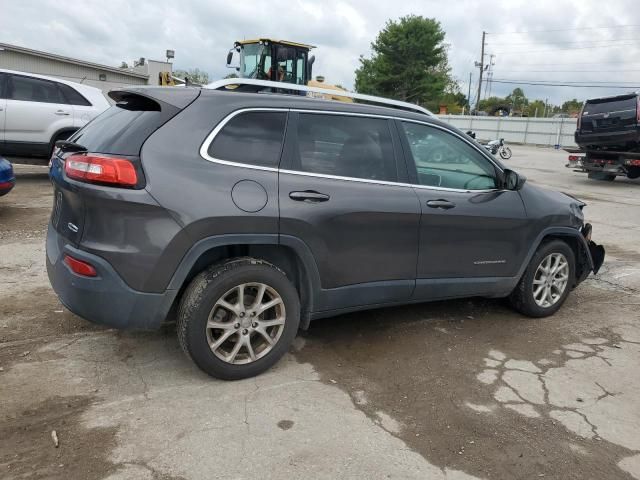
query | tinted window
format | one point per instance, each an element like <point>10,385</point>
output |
<point>2,85</point>
<point>34,90</point>
<point>610,106</point>
<point>345,146</point>
<point>254,138</point>
<point>72,96</point>
<point>444,160</point>
<point>124,127</point>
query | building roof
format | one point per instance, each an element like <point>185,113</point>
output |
<point>74,61</point>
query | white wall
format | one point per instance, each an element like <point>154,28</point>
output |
<point>533,131</point>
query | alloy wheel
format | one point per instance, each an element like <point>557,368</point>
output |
<point>245,323</point>
<point>550,280</point>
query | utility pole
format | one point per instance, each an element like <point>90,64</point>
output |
<point>469,94</point>
<point>481,66</point>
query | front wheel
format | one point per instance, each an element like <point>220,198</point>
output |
<point>546,282</point>
<point>238,319</point>
<point>505,153</point>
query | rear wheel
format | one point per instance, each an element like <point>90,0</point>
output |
<point>238,319</point>
<point>546,282</point>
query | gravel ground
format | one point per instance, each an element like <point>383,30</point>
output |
<point>449,390</point>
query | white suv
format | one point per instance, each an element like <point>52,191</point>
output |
<point>36,111</point>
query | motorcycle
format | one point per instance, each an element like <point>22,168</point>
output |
<point>498,146</point>
<point>494,146</point>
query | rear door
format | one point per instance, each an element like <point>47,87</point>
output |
<point>470,228</point>
<point>339,194</point>
<point>35,109</point>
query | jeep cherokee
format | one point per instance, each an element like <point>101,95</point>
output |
<point>246,216</point>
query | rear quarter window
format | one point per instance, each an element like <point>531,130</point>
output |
<point>72,96</point>
<point>123,128</point>
<point>252,138</point>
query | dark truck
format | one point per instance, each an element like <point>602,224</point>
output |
<point>608,136</point>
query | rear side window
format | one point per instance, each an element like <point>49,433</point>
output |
<point>345,146</point>
<point>254,138</point>
<point>123,128</point>
<point>610,106</point>
<point>72,96</point>
<point>34,90</point>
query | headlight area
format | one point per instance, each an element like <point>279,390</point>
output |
<point>577,214</point>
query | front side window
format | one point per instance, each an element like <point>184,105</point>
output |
<point>252,61</point>
<point>34,90</point>
<point>345,146</point>
<point>443,160</point>
<point>253,138</point>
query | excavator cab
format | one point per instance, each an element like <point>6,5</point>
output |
<point>275,60</point>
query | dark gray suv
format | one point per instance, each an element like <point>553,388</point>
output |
<point>245,216</point>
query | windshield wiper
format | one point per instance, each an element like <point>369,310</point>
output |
<point>66,146</point>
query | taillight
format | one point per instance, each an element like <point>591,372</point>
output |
<point>93,168</point>
<point>81,268</point>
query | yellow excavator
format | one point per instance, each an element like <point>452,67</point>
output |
<point>279,61</point>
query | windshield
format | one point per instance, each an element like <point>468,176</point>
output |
<point>255,61</point>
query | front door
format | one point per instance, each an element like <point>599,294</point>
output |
<point>338,194</point>
<point>472,231</point>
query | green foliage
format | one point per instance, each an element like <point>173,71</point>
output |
<point>195,75</point>
<point>409,62</point>
<point>571,106</point>
<point>231,75</point>
<point>535,108</point>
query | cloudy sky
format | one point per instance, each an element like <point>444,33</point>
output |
<point>565,39</point>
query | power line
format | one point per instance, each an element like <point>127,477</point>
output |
<point>509,44</point>
<point>570,71</point>
<point>564,64</point>
<point>562,30</point>
<point>515,82</point>
<point>519,52</point>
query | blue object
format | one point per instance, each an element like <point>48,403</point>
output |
<point>7,178</point>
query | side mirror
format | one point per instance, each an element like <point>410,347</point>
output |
<point>513,181</point>
<point>229,57</point>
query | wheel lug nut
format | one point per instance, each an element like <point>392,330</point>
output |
<point>254,325</point>
<point>242,314</point>
<point>237,325</point>
<point>253,314</point>
<point>245,331</point>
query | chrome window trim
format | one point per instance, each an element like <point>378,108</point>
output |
<point>209,139</point>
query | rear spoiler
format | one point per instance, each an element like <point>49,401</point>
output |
<point>179,97</point>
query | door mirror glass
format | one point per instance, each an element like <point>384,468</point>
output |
<point>229,58</point>
<point>513,181</point>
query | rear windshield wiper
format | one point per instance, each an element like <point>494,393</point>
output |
<point>66,146</point>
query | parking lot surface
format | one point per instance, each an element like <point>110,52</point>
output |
<point>450,390</point>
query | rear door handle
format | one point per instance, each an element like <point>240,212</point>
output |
<point>310,196</point>
<point>62,112</point>
<point>440,203</point>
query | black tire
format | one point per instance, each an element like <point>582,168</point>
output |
<point>211,285</point>
<point>522,298</point>
<point>505,153</point>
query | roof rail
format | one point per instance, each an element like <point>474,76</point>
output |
<point>324,91</point>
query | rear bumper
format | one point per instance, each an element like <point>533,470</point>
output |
<point>105,299</point>
<point>622,138</point>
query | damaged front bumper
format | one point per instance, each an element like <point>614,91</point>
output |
<point>596,252</point>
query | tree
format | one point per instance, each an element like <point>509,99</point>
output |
<point>231,75</point>
<point>535,108</point>
<point>572,106</point>
<point>409,62</point>
<point>195,75</point>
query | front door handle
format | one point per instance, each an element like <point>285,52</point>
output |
<point>440,203</point>
<point>62,112</point>
<point>310,196</point>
